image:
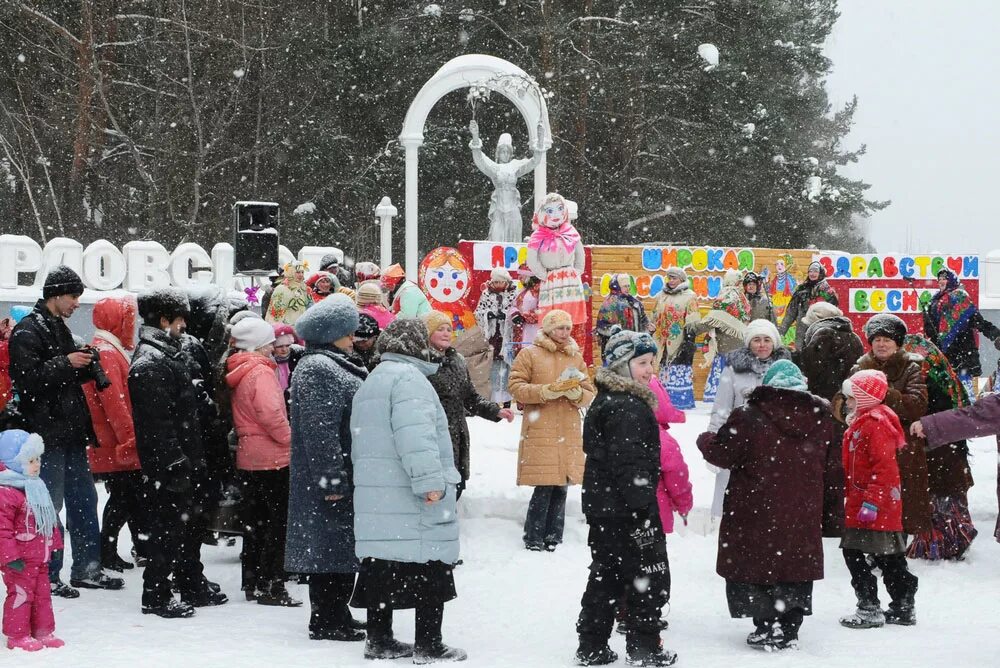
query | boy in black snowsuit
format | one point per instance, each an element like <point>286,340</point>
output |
<point>622,442</point>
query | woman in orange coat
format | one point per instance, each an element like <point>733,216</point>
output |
<point>114,457</point>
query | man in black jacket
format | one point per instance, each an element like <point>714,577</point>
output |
<point>48,370</point>
<point>168,440</point>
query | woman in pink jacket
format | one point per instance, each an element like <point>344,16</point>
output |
<point>673,493</point>
<point>29,533</point>
<point>265,439</point>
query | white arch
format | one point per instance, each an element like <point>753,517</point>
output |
<point>454,75</point>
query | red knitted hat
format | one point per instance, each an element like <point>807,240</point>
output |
<point>868,388</point>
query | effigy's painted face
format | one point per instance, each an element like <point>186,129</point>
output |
<point>554,214</point>
<point>447,283</point>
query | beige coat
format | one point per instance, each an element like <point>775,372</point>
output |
<point>551,447</point>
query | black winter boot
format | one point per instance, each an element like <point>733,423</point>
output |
<point>438,652</point>
<point>761,634</point>
<point>901,613</point>
<point>647,650</point>
<point>594,654</point>
<point>387,648</point>
<point>275,594</point>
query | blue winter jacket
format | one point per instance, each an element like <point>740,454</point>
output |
<point>401,451</point>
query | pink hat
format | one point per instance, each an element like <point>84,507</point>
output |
<point>868,388</point>
<point>284,335</point>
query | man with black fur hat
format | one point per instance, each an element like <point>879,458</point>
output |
<point>168,439</point>
<point>48,371</point>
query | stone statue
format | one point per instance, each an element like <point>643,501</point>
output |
<point>505,202</point>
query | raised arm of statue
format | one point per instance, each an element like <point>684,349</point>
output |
<point>537,154</point>
<point>483,161</point>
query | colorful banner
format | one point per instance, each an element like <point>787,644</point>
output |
<point>888,300</point>
<point>486,255</point>
<point>841,266</point>
<point>707,258</point>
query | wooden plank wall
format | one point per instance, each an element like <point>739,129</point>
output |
<point>628,260</point>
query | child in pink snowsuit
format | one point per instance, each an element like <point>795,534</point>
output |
<point>28,535</point>
<point>673,494</point>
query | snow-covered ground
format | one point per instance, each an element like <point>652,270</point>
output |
<point>518,608</point>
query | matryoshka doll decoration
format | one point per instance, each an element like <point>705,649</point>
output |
<point>444,278</point>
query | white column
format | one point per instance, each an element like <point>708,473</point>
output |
<point>540,185</point>
<point>385,212</point>
<point>412,146</point>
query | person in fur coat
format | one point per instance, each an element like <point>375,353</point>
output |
<point>874,506</point>
<point>830,349</point>
<point>29,533</point>
<point>456,392</point>
<point>627,546</point>
<point>907,397</point>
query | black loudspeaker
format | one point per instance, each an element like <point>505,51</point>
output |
<point>255,237</point>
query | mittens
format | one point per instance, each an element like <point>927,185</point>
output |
<point>574,394</point>
<point>548,394</point>
<point>868,512</point>
<point>16,565</point>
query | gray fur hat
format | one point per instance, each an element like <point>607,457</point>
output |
<point>333,318</point>
<point>888,325</point>
<point>405,336</point>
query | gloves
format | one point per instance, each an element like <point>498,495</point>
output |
<point>16,565</point>
<point>868,512</point>
<point>574,394</point>
<point>549,394</point>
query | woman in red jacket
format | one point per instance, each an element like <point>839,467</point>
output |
<point>114,457</point>
<point>873,510</point>
<point>262,456</point>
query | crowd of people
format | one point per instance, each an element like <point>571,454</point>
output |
<point>338,422</point>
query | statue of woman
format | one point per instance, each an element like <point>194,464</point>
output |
<point>505,202</point>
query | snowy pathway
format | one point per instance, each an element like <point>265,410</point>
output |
<point>518,608</point>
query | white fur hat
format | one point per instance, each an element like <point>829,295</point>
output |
<point>762,327</point>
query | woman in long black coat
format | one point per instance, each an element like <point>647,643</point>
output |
<point>785,493</point>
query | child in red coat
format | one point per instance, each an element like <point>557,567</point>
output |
<point>28,536</point>
<point>873,533</point>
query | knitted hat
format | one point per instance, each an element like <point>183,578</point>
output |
<point>330,262</point>
<point>251,334</point>
<point>404,336</point>
<point>677,272</point>
<point>240,315</point>
<point>366,271</point>
<point>786,375</point>
<point>18,447</point>
<point>284,335</point>
<point>370,292</point>
<point>169,303</point>
<point>868,387</point>
<point>751,277</point>
<point>367,327</point>
<point>329,320</point>
<point>18,312</point>
<point>556,318</point>
<point>888,325</point>
<point>62,281</point>
<point>500,274</point>
<point>762,327</point>
<point>624,346</point>
<point>435,319</point>
<point>820,311</point>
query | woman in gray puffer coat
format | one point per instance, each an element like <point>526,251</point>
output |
<point>745,369</point>
<point>406,523</point>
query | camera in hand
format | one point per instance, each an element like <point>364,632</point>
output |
<point>94,369</point>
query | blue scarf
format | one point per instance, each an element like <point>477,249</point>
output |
<point>39,502</point>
